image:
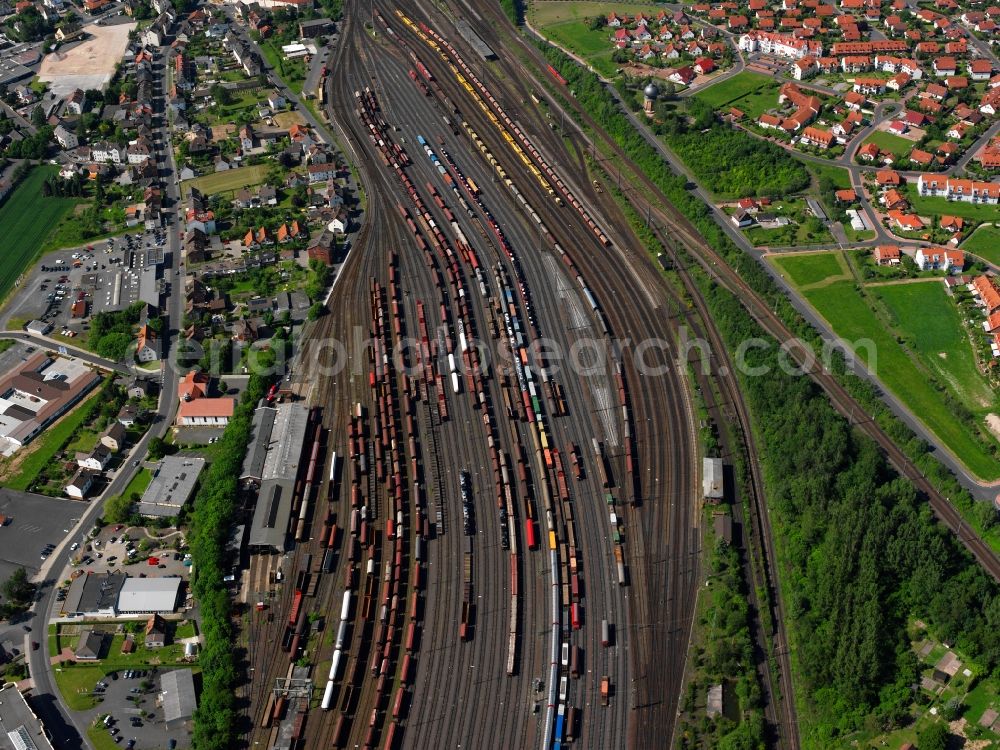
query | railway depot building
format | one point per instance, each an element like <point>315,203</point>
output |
<point>270,468</point>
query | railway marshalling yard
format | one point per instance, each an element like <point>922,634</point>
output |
<point>495,547</point>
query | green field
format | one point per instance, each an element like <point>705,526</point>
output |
<point>26,219</point>
<point>894,144</point>
<point>139,482</point>
<point>985,242</point>
<point>849,315</point>
<point>925,206</point>
<point>228,181</point>
<point>292,72</point>
<point>568,25</point>
<point>752,92</point>
<point>100,738</point>
<point>811,268</point>
<point>927,315</point>
<point>548,12</point>
<point>792,235</point>
<point>840,177</point>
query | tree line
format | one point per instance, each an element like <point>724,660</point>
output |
<point>214,513</point>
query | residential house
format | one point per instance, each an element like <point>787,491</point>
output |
<point>96,460</point>
<point>887,178</point>
<point>80,484</point>
<point>128,415</point>
<point>952,224</point>
<point>804,68</point>
<point>812,136</point>
<point>906,222</point>
<point>320,172</point>
<point>980,69</point>
<point>322,248</point>
<point>156,632</point>
<point>886,255</point>
<point>104,153</point>
<point>992,323</point>
<point>957,131</point>
<point>892,199</point>
<point>66,138</point>
<point>147,348</point>
<point>986,294</point>
<point>898,82</point>
<point>76,102</point>
<point>855,101</point>
<point>193,386</point>
<point>246,136</point>
<point>869,152</point>
<point>869,86</point>
<point>245,331</point>
<point>682,76</point>
<point>704,66</point>
<point>114,437</point>
<point>940,258</point>
<point>944,66</point>
<point>953,188</point>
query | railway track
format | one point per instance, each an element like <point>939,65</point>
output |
<point>660,484</point>
<point>650,400</point>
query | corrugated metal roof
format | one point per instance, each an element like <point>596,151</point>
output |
<point>149,595</point>
<point>288,435</point>
<point>270,517</point>
<point>177,695</point>
<point>260,436</point>
<point>712,481</point>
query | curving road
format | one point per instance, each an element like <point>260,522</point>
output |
<point>67,730</point>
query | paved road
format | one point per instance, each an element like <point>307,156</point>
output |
<point>67,729</point>
<point>45,342</point>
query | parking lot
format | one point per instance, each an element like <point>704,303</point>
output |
<point>34,524</point>
<point>124,699</point>
<point>130,550</point>
<point>106,276</point>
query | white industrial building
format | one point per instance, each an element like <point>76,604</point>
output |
<point>146,596</point>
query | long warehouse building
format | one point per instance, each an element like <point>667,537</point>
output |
<point>272,464</point>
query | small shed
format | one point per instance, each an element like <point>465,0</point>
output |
<point>713,707</point>
<point>711,479</point>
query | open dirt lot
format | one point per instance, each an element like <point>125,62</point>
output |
<point>88,65</point>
